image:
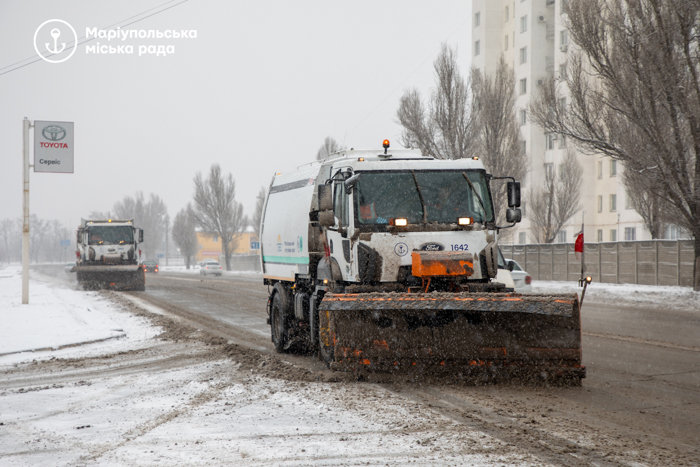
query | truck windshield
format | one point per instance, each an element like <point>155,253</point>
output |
<point>439,197</point>
<point>110,235</point>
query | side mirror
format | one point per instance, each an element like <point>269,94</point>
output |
<point>325,198</point>
<point>510,265</point>
<point>513,215</point>
<point>350,183</point>
<point>514,196</point>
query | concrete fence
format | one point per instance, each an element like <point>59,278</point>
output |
<point>653,262</point>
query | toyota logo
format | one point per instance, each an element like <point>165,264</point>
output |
<point>54,132</point>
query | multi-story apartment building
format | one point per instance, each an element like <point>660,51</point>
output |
<point>532,37</point>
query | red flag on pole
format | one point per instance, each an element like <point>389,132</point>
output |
<point>578,245</point>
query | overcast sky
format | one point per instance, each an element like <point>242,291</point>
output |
<point>257,91</point>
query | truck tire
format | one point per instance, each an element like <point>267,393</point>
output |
<point>279,317</point>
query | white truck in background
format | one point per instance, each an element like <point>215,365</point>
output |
<point>108,255</point>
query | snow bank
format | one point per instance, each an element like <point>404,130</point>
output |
<point>59,317</point>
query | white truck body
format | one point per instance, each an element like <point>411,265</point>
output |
<point>108,254</point>
<point>285,229</point>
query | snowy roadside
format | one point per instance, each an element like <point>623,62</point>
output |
<point>626,294</point>
<point>62,322</point>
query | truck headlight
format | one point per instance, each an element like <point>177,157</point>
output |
<point>401,222</point>
<point>465,221</point>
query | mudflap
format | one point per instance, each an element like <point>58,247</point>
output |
<point>496,333</point>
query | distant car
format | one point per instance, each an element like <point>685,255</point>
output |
<point>503,275</point>
<point>210,267</point>
<point>150,266</point>
<point>521,279</point>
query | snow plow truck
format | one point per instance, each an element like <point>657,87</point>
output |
<point>386,261</point>
<point>108,255</point>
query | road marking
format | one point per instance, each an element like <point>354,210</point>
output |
<point>638,340</point>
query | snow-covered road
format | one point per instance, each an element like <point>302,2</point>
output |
<point>112,384</point>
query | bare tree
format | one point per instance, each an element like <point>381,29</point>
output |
<point>496,130</point>
<point>650,207</point>
<point>444,128</point>
<point>257,215</point>
<point>11,235</point>
<point>553,205</point>
<point>184,234</point>
<point>216,209</point>
<point>149,215</point>
<point>328,147</point>
<point>39,233</point>
<point>635,96</point>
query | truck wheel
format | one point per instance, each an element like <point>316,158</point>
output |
<point>279,318</point>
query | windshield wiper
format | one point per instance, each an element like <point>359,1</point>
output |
<point>420,197</point>
<point>478,197</point>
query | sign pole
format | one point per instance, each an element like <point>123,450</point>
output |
<point>26,125</point>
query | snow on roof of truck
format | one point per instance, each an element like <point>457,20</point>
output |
<point>86,222</point>
<point>368,160</point>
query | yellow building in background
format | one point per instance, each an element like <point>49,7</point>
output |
<point>244,243</point>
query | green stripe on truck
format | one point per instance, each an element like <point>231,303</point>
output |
<point>285,260</point>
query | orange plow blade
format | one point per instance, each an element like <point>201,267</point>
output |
<point>395,331</point>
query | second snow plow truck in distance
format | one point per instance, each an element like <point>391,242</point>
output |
<point>386,261</point>
<point>108,255</point>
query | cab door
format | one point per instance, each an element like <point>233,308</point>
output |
<point>339,235</point>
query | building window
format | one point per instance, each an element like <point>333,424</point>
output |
<point>563,40</point>
<point>523,55</point>
<point>630,234</point>
<point>600,170</point>
<point>561,236</point>
<point>523,86</point>
<point>522,238</point>
<point>523,147</point>
<point>628,201</point>
<point>477,19</point>
<point>613,167</point>
<point>613,235</point>
<point>548,169</point>
<point>477,46</point>
<point>551,137</point>
<point>562,71</point>
<point>600,235</point>
<point>522,208</point>
<point>613,203</point>
<point>506,42</point>
<point>673,232</point>
<point>562,141</point>
<point>523,116</point>
<point>600,203</point>
<point>523,23</point>
<point>507,14</point>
